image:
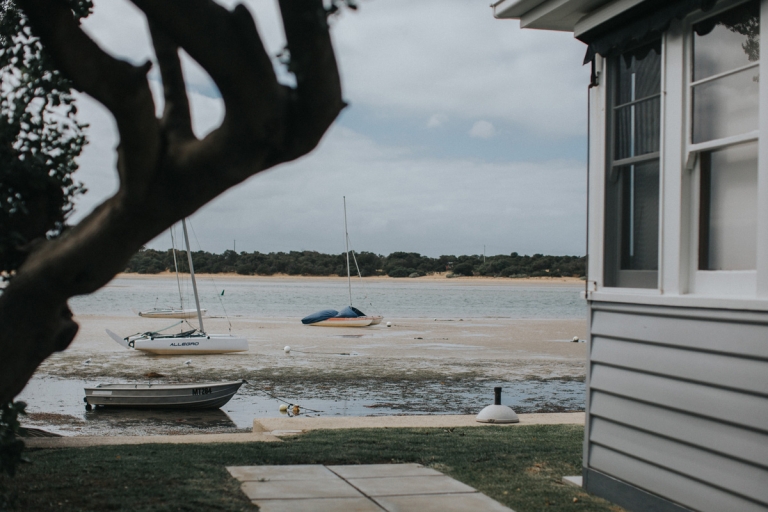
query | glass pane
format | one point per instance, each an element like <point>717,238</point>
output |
<point>726,41</point>
<point>648,75</point>
<point>725,106</point>
<point>636,129</point>
<point>732,208</point>
<point>622,133</point>
<point>637,78</point>
<point>640,216</point>
<point>647,126</point>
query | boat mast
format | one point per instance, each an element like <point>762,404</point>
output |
<point>346,242</point>
<point>192,274</point>
<point>176,268</point>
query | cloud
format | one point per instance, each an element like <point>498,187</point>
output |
<point>416,58</point>
<point>437,120</point>
<point>397,201</point>
<point>482,130</point>
<point>446,61</point>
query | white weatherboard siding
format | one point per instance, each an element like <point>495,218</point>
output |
<point>678,404</point>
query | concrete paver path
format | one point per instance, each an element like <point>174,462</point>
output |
<point>358,488</point>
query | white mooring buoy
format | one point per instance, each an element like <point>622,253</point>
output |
<point>287,349</point>
<point>497,413</point>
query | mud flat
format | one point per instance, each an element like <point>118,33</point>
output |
<point>416,366</point>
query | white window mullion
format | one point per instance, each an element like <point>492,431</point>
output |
<point>762,169</point>
<point>674,207</point>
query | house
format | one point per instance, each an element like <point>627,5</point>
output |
<point>677,380</point>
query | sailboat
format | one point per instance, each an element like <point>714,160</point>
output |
<point>171,311</point>
<point>350,316</point>
<point>194,341</point>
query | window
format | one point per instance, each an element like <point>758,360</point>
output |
<point>723,133</point>
<point>632,185</point>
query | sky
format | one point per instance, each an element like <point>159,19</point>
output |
<point>463,133</point>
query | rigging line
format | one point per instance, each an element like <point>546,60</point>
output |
<point>346,241</point>
<point>212,280</point>
<point>365,290</point>
<point>275,397</point>
<point>176,267</point>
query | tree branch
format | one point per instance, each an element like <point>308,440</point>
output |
<point>176,120</point>
<point>318,97</point>
<point>119,86</point>
<point>227,45</point>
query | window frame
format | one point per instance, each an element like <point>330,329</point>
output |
<point>713,282</point>
<point>627,279</point>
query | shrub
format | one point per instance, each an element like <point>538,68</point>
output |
<point>11,446</point>
<point>399,272</point>
<point>463,269</point>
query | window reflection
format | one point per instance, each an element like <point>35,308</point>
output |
<point>728,211</point>
<point>632,191</point>
<point>724,98</point>
<point>727,41</point>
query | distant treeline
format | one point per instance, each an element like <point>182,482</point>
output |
<point>397,264</point>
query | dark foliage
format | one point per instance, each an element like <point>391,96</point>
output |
<point>11,446</point>
<point>40,139</point>
<point>397,264</point>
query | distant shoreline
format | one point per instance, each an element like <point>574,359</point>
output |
<point>431,277</point>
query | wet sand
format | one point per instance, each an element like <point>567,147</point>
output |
<point>417,366</point>
<point>493,348</point>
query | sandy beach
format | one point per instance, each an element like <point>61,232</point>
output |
<point>437,276</point>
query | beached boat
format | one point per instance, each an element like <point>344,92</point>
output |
<point>350,316</point>
<point>192,342</point>
<point>171,313</point>
<point>347,317</point>
<point>201,395</point>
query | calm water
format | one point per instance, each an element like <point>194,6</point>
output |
<point>56,405</point>
<point>407,298</point>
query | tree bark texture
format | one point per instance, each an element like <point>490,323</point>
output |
<point>165,172</point>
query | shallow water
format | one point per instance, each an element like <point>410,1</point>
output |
<point>56,405</point>
<point>409,298</point>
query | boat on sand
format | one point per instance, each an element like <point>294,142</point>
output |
<point>350,316</point>
<point>170,312</point>
<point>193,342</point>
<point>201,395</point>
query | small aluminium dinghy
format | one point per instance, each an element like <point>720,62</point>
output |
<point>202,395</point>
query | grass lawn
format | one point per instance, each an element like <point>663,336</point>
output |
<point>520,467</point>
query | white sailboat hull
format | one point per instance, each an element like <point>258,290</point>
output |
<point>360,321</point>
<point>171,313</point>
<point>192,345</point>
